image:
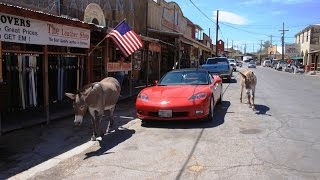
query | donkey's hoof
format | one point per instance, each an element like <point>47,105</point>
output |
<point>93,138</point>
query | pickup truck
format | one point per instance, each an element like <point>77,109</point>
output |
<point>219,66</point>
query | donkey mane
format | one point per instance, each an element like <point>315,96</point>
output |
<point>85,87</point>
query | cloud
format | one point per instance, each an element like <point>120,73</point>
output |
<point>229,17</point>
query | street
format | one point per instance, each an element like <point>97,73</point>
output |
<point>279,140</point>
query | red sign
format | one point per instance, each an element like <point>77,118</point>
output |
<point>115,66</point>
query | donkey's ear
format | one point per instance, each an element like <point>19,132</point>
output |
<point>70,95</point>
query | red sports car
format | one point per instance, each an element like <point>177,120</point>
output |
<point>183,94</point>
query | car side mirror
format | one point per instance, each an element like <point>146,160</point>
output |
<point>155,83</point>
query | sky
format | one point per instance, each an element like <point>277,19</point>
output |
<point>247,22</point>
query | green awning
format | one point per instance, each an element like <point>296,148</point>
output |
<point>297,58</point>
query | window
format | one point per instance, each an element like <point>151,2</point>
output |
<point>307,36</point>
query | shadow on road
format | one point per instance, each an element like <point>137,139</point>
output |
<point>111,140</point>
<point>219,116</point>
<point>262,109</point>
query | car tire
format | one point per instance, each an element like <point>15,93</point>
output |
<point>210,115</point>
<point>229,79</point>
<point>144,123</point>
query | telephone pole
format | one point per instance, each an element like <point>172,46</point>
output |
<point>260,50</point>
<point>270,47</point>
<point>217,28</point>
<point>282,39</point>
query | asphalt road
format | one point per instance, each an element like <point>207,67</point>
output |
<point>279,140</point>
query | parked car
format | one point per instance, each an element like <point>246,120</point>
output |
<point>182,94</point>
<point>281,65</point>
<point>233,64</point>
<point>239,63</point>
<point>219,66</point>
<point>252,64</point>
<point>266,63</point>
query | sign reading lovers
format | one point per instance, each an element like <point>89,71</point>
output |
<point>30,31</point>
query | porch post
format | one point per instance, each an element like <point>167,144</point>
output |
<point>1,80</point>
<point>46,83</point>
<point>1,77</point>
<point>89,67</point>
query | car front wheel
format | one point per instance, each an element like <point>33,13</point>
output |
<point>211,106</point>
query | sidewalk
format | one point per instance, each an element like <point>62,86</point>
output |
<point>25,148</point>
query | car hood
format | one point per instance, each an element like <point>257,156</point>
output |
<point>166,92</point>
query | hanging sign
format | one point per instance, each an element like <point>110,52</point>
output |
<point>30,31</point>
<point>115,66</point>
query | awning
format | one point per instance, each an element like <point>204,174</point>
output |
<point>150,39</point>
<point>296,58</point>
<point>170,33</point>
<point>312,52</point>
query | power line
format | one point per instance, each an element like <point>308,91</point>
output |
<point>202,12</point>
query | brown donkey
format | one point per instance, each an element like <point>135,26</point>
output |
<point>248,80</point>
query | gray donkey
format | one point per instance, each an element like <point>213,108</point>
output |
<point>248,80</point>
<point>97,97</point>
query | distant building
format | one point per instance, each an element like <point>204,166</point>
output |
<point>309,42</point>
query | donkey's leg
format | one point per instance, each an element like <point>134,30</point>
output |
<point>94,133</point>
<point>241,90</point>
<point>252,98</point>
<point>110,122</point>
<point>249,97</point>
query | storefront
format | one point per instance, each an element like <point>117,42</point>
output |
<point>42,57</point>
<point>315,60</point>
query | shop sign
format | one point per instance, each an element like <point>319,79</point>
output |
<point>30,31</point>
<point>115,66</point>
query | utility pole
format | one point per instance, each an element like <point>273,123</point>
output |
<point>270,47</point>
<point>260,50</point>
<point>245,48</point>
<point>217,28</point>
<point>227,43</point>
<point>253,48</point>
<point>282,39</point>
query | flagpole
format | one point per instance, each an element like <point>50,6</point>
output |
<point>105,37</point>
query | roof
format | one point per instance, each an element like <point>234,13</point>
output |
<point>39,15</point>
<point>307,28</point>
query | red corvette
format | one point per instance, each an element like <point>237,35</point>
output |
<point>183,94</point>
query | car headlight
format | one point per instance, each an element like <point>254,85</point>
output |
<point>200,95</point>
<point>143,97</point>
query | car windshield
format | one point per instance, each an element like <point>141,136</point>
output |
<point>184,78</point>
<point>231,60</point>
<point>217,60</point>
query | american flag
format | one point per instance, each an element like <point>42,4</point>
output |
<point>125,38</point>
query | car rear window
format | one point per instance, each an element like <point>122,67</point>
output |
<point>217,61</point>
